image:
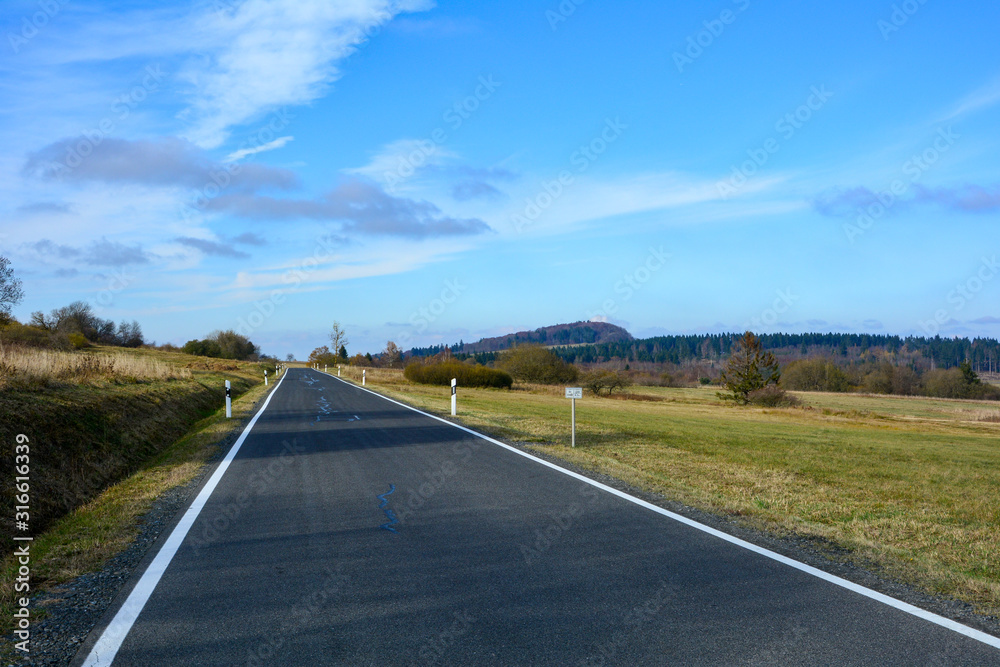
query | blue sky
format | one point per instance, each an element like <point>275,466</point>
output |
<point>428,172</point>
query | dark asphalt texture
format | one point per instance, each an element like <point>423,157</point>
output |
<point>477,556</point>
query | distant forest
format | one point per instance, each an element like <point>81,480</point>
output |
<point>844,349</point>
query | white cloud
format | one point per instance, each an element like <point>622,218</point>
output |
<point>983,98</point>
<point>399,161</point>
<point>272,53</point>
<point>269,146</point>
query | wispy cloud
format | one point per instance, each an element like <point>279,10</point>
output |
<point>360,207</point>
<point>249,238</point>
<point>44,207</point>
<point>964,199</point>
<point>167,161</point>
<point>269,146</point>
<point>270,54</point>
<point>967,198</point>
<point>211,247</point>
<point>402,159</point>
<point>983,98</point>
<point>97,253</point>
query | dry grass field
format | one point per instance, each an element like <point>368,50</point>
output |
<point>908,486</point>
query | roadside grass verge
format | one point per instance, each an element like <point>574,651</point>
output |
<point>906,486</point>
<point>32,368</point>
<point>86,434</point>
<point>86,538</point>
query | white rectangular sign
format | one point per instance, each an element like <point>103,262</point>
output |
<point>574,392</point>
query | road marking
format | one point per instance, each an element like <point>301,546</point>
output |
<point>906,607</point>
<point>388,512</point>
<point>111,639</point>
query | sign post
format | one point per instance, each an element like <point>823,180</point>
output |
<point>364,374</point>
<point>265,378</point>
<point>573,393</point>
<point>454,396</point>
<point>229,402</point>
<point>338,371</point>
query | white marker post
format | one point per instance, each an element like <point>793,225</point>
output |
<point>325,366</point>
<point>574,393</point>
<point>265,378</point>
<point>454,396</point>
<point>363,374</point>
<point>338,371</point>
<point>229,402</point>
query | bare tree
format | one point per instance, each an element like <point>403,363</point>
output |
<point>11,292</point>
<point>392,355</point>
<point>338,337</point>
<point>38,320</point>
<point>289,357</point>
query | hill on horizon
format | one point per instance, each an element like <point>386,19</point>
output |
<point>574,333</point>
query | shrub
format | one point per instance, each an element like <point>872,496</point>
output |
<point>771,396</point>
<point>814,375</point>
<point>78,341</point>
<point>468,375</point>
<point>599,380</point>
<point>21,334</point>
<point>224,344</point>
<point>534,363</point>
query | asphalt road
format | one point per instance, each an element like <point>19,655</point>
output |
<point>351,530</point>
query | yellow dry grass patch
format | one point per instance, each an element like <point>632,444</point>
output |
<point>25,364</point>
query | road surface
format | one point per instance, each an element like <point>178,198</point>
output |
<point>348,529</point>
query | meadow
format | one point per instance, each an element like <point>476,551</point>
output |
<point>906,486</point>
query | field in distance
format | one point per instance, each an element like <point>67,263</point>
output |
<point>905,484</point>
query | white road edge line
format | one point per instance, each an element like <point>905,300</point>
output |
<point>808,569</point>
<point>106,648</point>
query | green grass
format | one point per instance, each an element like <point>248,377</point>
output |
<point>906,485</point>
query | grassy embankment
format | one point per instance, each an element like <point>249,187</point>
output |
<point>110,431</point>
<point>907,485</point>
